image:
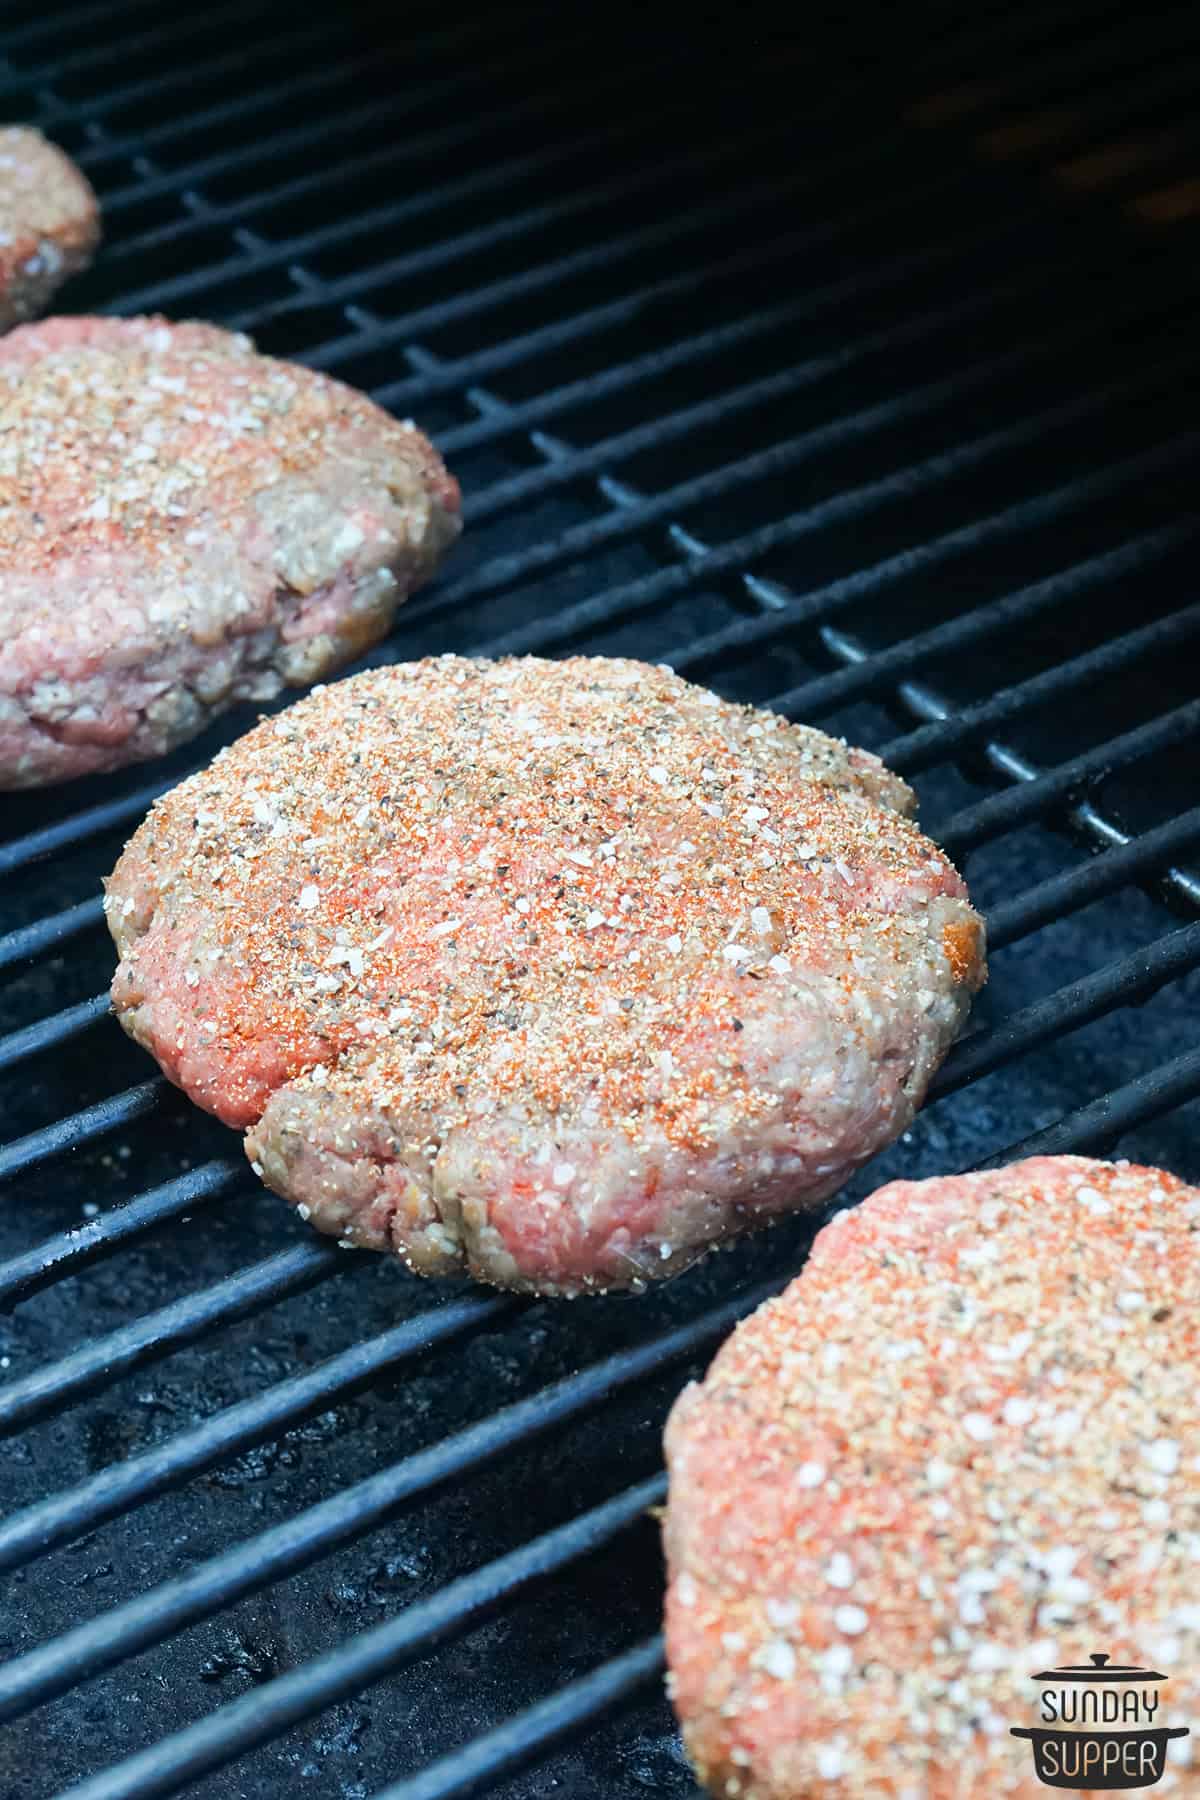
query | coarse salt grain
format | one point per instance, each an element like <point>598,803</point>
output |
<point>1093,1202</point>
<point>839,1570</point>
<point>831,1761</point>
<point>1162,1455</point>
<point>778,1659</point>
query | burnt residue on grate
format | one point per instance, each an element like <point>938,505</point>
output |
<point>856,386</point>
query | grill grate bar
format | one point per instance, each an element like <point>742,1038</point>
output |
<point>124,1486</point>
<point>629,598</point>
<point>532,1733</point>
<point>278,144</point>
<point>59,111</point>
<point>455,374</point>
<point>1137,859</point>
<point>46,1033</point>
<point>512,225</point>
<point>64,834</point>
<point>175,33</point>
<point>1036,794</point>
<point>707,413</point>
<point>1083,818</point>
<point>209,1587</point>
<point>69,22</point>
<point>115,53</point>
<point>538,277</point>
<point>80,1128</point>
<point>272,1708</point>
<point>385,219</point>
<point>245,208</point>
<point>745,635</point>
<point>353,287</point>
<point>534,484</point>
<point>294,88</point>
<point>114,146</point>
<point>103,1360</point>
<point>48,933</point>
<point>381,218</point>
<point>1098,1125</point>
<point>69,1251</point>
<point>1127,982</point>
<point>465,304</point>
<point>618,495</point>
<point>300,37</point>
<point>658,236</point>
<point>545,407</point>
<point>23,36</point>
<point>931,743</point>
<point>511,570</point>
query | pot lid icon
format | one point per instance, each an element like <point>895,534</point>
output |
<point>1099,1669</point>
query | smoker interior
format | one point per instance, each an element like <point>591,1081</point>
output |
<point>849,371</point>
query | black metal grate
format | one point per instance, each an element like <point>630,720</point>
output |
<point>866,397</point>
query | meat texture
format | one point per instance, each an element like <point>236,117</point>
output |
<point>960,1449</point>
<point>556,972</point>
<point>185,524</point>
<point>49,222</point>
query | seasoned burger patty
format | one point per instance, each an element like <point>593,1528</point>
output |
<point>49,222</point>
<point>558,972</point>
<point>185,524</point>
<point>961,1448</point>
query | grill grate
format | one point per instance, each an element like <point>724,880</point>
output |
<point>877,414</point>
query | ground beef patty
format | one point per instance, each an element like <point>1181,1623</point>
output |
<point>49,222</point>
<point>961,1448</point>
<point>554,971</point>
<point>185,524</point>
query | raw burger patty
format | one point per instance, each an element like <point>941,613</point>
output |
<point>961,1448</point>
<point>554,971</point>
<point>49,222</point>
<point>185,524</point>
